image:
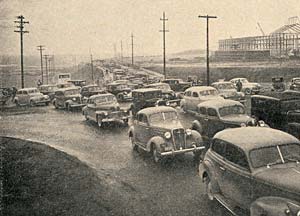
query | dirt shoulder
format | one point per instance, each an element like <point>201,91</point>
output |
<point>40,180</point>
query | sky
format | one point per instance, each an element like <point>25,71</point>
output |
<point>80,27</point>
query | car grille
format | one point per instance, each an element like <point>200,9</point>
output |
<point>179,138</point>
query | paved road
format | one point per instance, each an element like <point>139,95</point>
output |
<point>169,189</point>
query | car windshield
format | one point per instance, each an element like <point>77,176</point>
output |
<point>208,92</point>
<point>164,117</point>
<point>104,99</point>
<point>72,92</point>
<point>32,91</point>
<point>231,110</point>
<point>224,86</point>
<point>273,155</point>
<point>94,88</point>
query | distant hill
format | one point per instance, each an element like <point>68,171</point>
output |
<point>194,52</point>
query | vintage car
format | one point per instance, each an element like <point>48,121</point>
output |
<point>280,110</point>
<point>278,84</point>
<point>216,115</point>
<point>79,83</point>
<point>90,90</point>
<point>253,168</point>
<point>31,96</point>
<point>146,97</point>
<point>65,85</point>
<point>158,130</point>
<point>167,93</point>
<point>48,90</point>
<point>7,95</point>
<point>68,98</point>
<point>121,91</point>
<point>177,85</point>
<point>228,90</point>
<point>104,108</point>
<point>198,94</point>
<point>247,87</point>
<point>295,84</point>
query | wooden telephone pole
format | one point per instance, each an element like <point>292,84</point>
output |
<point>164,19</point>
<point>207,17</point>
<point>40,48</point>
<point>21,31</point>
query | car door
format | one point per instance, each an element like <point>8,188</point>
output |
<point>142,130</point>
<point>213,122</point>
<point>236,181</point>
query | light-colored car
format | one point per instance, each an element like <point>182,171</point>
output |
<point>198,94</point>
<point>253,168</point>
<point>31,96</point>
<point>247,87</point>
<point>104,108</point>
<point>228,90</point>
<point>158,130</point>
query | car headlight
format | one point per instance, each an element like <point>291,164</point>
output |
<point>105,113</point>
<point>167,103</point>
<point>168,135</point>
<point>74,99</point>
<point>46,97</point>
<point>188,132</point>
<point>298,213</point>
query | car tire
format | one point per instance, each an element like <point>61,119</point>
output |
<point>209,192</point>
<point>155,155</point>
<point>134,146</point>
<point>31,103</point>
<point>248,91</point>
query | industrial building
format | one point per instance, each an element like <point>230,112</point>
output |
<point>281,43</point>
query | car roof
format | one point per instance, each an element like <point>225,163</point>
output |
<point>237,78</point>
<point>223,82</point>
<point>200,88</point>
<point>48,85</point>
<point>248,138</point>
<point>152,110</point>
<point>143,90</point>
<point>69,88</point>
<point>219,103</point>
<point>285,95</point>
<point>27,89</point>
<point>101,95</point>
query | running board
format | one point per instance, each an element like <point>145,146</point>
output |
<point>226,203</point>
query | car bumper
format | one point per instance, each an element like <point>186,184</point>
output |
<point>41,101</point>
<point>77,105</point>
<point>120,119</point>
<point>182,151</point>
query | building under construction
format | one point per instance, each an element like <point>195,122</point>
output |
<point>282,43</point>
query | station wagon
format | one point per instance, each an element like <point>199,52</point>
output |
<point>255,169</point>
<point>158,130</point>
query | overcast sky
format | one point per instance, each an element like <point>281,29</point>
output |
<point>76,26</point>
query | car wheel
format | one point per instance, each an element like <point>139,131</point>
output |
<point>209,192</point>
<point>134,146</point>
<point>247,91</point>
<point>31,103</point>
<point>155,155</point>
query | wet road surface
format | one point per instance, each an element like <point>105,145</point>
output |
<point>173,188</point>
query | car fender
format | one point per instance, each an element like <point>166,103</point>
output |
<point>68,102</point>
<point>157,141</point>
<point>196,125</point>
<point>196,136</point>
<point>275,206</point>
<point>206,169</point>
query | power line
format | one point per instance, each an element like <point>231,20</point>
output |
<point>40,48</point>
<point>207,17</point>
<point>164,19</point>
<point>21,31</point>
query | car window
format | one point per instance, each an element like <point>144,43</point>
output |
<point>212,112</point>
<point>218,146</point>
<point>236,156</point>
<point>202,111</point>
<point>143,119</point>
<point>195,94</point>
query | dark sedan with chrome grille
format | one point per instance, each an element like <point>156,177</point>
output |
<point>158,130</point>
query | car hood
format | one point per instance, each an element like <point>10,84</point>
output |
<point>108,106</point>
<point>286,178</point>
<point>169,126</point>
<point>236,119</point>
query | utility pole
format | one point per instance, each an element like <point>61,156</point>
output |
<point>40,48</point>
<point>49,64</point>
<point>132,60</point>
<point>164,19</point>
<point>207,17</point>
<point>121,52</point>
<point>92,67</point>
<point>21,31</point>
<point>46,61</point>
